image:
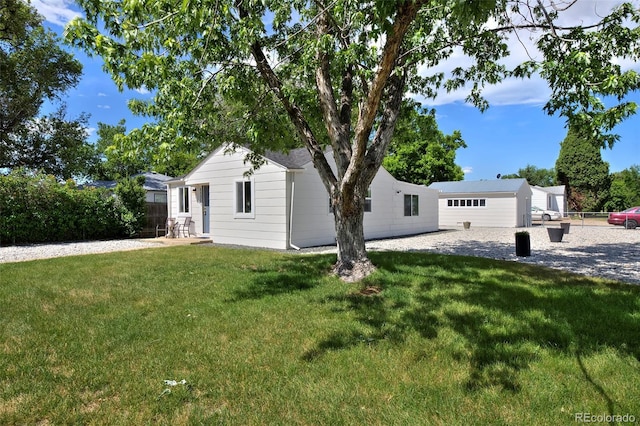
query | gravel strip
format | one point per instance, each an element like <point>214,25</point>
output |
<point>45,251</point>
<point>599,251</point>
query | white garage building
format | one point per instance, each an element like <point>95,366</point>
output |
<point>502,203</point>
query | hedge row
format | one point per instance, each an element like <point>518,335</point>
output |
<point>37,208</point>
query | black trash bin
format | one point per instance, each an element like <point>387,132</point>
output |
<point>523,244</point>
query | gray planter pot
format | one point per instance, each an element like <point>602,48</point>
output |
<point>565,226</point>
<point>555,234</point>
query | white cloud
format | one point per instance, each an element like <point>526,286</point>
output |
<point>104,106</point>
<point>143,90</point>
<point>467,170</point>
<point>102,94</point>
<point>522,47</point>
<point>58,12</point>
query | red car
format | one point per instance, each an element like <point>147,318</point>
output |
<point>630,218</point>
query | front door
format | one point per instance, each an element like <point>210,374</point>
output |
<point>205,210</point>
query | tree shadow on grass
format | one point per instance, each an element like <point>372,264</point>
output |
<point>290,274</point>
<point>504,312</point>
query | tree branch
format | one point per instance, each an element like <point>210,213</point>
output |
<point>386,127</point>
<point>368,109</point>
<point>293,110</point>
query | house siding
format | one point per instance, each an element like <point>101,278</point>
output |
<point>313,223</point>
<point>269,184</point>
<point>507,203</point>
<point>499,211</point>
<point>291,206</point>
<point>551,198</point>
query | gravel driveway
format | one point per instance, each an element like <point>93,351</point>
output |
<point>608,252</point>
<point>604,251</point>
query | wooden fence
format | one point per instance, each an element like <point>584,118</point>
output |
<point>156,215</point>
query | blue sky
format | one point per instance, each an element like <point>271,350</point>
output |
<point>512,133</point>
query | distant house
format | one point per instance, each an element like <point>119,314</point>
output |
<point>284,204</point>
<point>549,198</point>
<point>504,203</point>
<point>155,185</point>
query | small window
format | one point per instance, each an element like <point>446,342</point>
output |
<point>183,199</point>
<point>244,199</point>
<point>160,198</point>
<point>482,203</point>
<point>475,203</point>
<point>455,203</point>
<point>411,203</point>
<point>449,203</point>
<point>367,201</point>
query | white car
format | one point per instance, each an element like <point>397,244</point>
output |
<point>540,214</point>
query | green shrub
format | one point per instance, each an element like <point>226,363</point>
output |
<point>37,208</point>
<point>130,195</point>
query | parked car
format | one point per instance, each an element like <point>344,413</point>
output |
<point>629,218</point>
<point>541,214</point>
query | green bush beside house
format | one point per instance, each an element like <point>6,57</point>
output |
<point>36,208</point>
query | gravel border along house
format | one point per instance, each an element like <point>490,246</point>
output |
<point>602,251</point>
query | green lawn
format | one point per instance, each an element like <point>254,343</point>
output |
<point>269,338</point>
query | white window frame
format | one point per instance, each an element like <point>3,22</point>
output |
<point>414,206</point>
<point>244,214</point>
<point>184,200</point>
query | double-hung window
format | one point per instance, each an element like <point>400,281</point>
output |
<point>411,203</point>
<point>244,206</point>
<point>183,199</point>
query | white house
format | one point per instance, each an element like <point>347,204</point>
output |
<point>284,204</point>
<point>504,203</point>
<point>549,198</point>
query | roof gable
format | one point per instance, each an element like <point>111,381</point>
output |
<point>294,159</point>
<point>555,190</point>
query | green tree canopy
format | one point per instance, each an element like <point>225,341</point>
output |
<point>336,73</point>
<point>54,145</point>
<point>625,189</point>
<point>115,163</point>
<point>419,152</point>
<point>34,69</point>
<point>535,176</point>
<point>581,169</point>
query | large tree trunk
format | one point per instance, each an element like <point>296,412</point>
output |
<point>353,263</point>
<point>357,156</point>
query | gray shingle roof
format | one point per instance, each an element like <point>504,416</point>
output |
<point>479,186</point>
<point>155,181</point>
<point>294,159</point>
